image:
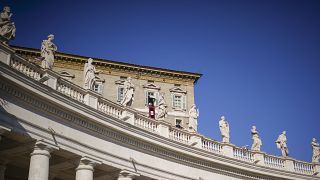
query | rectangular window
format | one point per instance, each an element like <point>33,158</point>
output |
<point>120,94</point>
<point>179,101</point>
<point>151,94</point>
<point>98,88</point>
<point>178,123</point>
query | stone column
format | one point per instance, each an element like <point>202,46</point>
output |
<point>2,171</point>
<point>85,169</point>
<point>39,162</point>
<point>127,175</point>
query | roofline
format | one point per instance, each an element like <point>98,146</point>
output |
<point>194,76</point>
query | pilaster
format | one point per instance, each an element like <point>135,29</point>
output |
<point>289,164</point>
<point>163,129</point>
<point>227,149</point>
<point>258,157</point>
<point>196,140</point>
<point>128,117</point>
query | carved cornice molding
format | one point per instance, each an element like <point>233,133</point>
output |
<point>142,145</point>
<point>110,67</point>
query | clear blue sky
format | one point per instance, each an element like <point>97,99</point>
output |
<point>260,58</point>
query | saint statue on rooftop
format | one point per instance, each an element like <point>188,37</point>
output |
<point>315,151</point>
<point>48,49</point>
<point>162,108</point>
<point>282,144</point>
<point>257,143</point>
<point>89,72</point>
<point>128,94</point>
<point>193,118</point>
<point>224,129</point>
<point>7,28</point>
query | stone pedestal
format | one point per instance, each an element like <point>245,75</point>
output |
<point>91,99</point>
<point>316,169</point>
<point>128,117</point>
<point>227,149</point>
<point>39,162</point>
<point>258,157</point>
<point>195,140</point>
<point>5,51</point>
<point>163,129</point>
<point>49,80</point>
<point>85,169</point>
<point>289,164</point>
<point>127,175</point>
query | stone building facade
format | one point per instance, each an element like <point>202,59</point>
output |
<point>177,86</point>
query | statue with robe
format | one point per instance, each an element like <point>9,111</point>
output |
<point>7,28</point>
<point>128,93</point>
<point>224,129</point>
<point>193,118</point>
<point>89,74</point>
<point>48,49</point>
<point>162,108</point>
<point>315,151</point>
<point>282,144</point>
<point>257,143</point>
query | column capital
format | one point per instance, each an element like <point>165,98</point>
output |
<point>124,173</point>
<point>87,163</point>
<point>43,147</point>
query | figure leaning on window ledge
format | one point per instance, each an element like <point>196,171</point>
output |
<point>7,28</point>
<point>89,73</point>
<point>128,94</point>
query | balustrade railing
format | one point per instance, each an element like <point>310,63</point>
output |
<point>211,145</point>
<point>69,89</point>
<point>303,167</point>
<point>243,154</point>
<point>110,108</point>
<point>274,162</point>
<point>179,135</point>
<point>145,123</point>
<point>29,69</point>
<point>115,110</point>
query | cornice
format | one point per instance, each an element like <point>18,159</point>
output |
<point>31,99</point>
<point>71,61</point>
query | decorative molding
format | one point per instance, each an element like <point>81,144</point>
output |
<point>151,86</point>
<point>177,90</point>
<point>116,68</point>
<point>125,140</point>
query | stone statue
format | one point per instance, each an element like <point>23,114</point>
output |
<point>257,143</point>
<point>282,144</point>
<point>48,49</point>
<point>89,72</point>
<point>193,118</point>
<point>224,129</point>
<point>128,93</point>
<point>162,108</point>
<point>315,151</point>
<point>7,28</point>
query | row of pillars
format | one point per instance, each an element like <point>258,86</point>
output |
<point>39,165</point>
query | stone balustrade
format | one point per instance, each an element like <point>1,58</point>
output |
<point>133,117</point>
<point>211,145</point>
<point>145,123</point>
<point>69,89</point>
<point>179,135</point>
<point>110,108</point>
<point>274,162</point>
<point>243,154</point>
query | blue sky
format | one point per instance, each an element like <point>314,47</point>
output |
<point>260,59</point>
